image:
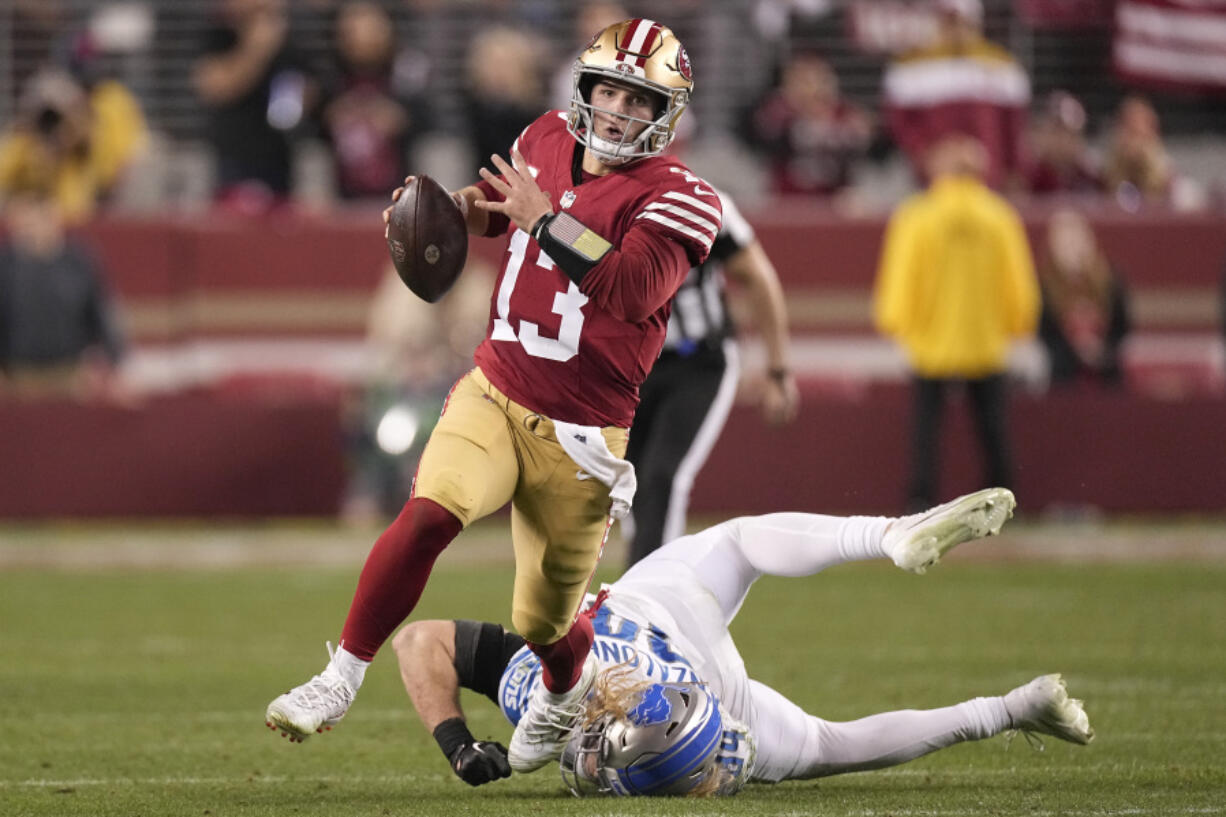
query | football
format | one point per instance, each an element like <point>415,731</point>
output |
<point>427,238</point>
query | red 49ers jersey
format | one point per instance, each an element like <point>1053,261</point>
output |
<point>579,353</point>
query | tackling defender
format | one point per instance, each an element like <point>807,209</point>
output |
<point>674,711</point>
<point>602,230</point>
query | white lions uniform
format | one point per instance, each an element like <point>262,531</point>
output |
<point>668,617</point>
<point>671,611</point>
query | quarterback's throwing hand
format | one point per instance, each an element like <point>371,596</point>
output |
<point>525,202</point>
<point>482,761</point>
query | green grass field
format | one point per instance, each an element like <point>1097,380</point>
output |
<point>141,691</point>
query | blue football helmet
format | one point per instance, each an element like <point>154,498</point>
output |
<point>666,745</point>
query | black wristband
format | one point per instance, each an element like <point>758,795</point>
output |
<point>541,224</point>
<point>778,373</point>
<point>452,735</point>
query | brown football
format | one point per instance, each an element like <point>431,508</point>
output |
<point>427,238</point>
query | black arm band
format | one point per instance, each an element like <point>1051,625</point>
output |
<point>452,734</point>
<point>572,246</point>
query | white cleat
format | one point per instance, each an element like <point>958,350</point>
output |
<point>315,706</point>
<point>917,542</point>
<point>542,732</point>
<point>1044,707</point>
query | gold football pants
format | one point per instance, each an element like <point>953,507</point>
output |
<point>487,450</point>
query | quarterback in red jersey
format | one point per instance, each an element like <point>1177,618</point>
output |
<point>652,219</point>
<point>601,231</point>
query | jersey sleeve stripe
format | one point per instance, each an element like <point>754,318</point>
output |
<point>702,238</point>
<point>697,204</point>
<point>684,213</point>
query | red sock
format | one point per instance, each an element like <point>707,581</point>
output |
<point>562,661</point>
<point>395,574</point>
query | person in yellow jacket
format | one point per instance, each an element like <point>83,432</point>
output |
<point>955,285</point>
<point>75,142</point>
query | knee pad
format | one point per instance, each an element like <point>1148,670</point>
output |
<point>538,629</point>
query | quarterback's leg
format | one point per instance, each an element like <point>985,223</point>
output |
<point>559,523</point>
<point>467,470</point>
<point>792,744</point>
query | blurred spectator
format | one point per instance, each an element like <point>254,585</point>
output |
<point>416,351</point>
<point>1137,165</point>
<point>258,91</point>
<point>1060,160</point>
<point>373,107</point>
<point>961,83</point>
<point>1085,305</point>
<point>811,135</point>
<point>58,332</point>
<point>72,141</point>
<point>505,89</point>
<point>955,285</point>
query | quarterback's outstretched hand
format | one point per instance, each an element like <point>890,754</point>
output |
<point>482,761</point>
<point>524,202</point>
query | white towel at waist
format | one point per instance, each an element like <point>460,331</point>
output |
<point>586,446</point>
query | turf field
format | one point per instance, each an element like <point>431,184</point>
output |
<point>135,665</point>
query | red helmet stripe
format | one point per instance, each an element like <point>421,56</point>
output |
<point>638,41</point>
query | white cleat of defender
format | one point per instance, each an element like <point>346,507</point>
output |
<point>542,732</point>
<point>1044,707</point>
<point>917,542</point>
<point>315,706</point>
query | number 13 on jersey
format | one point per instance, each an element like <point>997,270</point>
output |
<point>568,305</point>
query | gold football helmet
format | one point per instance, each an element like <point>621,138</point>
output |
<point>644,54</point>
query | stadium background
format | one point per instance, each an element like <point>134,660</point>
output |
<point>248,332</point>
<point>165,568</point>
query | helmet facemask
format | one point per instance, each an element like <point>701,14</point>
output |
<point>665,744</point>
<point>583,765</point>
<point>656,135</point>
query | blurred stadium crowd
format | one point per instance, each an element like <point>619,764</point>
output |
<point>228,110</point>
<point>251,102</point>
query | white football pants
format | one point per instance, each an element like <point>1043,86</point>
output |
<point>693,587</point>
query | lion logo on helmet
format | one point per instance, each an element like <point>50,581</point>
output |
<point>653,707</point>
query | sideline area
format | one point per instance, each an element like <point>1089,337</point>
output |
<point>222,546</point>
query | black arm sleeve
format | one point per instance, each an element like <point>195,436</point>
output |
<point>482,652</point>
